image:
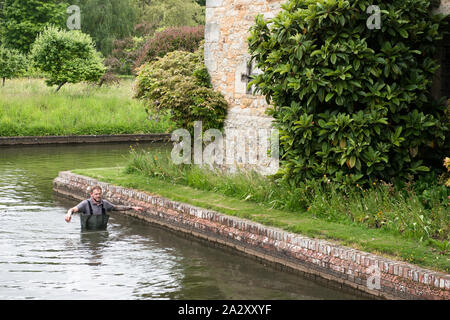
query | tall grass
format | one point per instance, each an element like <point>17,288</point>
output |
<point>29,108</point>
<point>403,211</point>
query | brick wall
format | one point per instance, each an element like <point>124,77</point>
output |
<point>321,260</point>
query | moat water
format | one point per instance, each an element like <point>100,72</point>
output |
<point>43,257</point>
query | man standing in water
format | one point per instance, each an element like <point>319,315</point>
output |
<point>95,209</point>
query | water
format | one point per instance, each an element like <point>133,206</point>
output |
<point>43,257</point>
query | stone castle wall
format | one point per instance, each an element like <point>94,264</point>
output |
<point>444,7</point>
<point>227,59</point>
<point>226,54</point>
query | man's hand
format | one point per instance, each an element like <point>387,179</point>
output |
<point>68,216</point>
<point>137,208</point>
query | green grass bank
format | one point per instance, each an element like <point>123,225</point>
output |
<point>29,108</point>
<point>429,253</point>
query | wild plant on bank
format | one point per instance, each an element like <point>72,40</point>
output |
<point>402,210</point>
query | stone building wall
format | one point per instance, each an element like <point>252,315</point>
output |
<point>226,50</point>
<point>227,57</point>
<point>444,7</point>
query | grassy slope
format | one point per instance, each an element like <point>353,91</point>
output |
<point>29,108</point>
<point>358,237</point>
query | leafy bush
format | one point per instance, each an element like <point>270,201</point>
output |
<point>12,63</point>
<point>180,83</point>
<point>174,38</point>
<point>124,54</point>
<point>352,103</point>
<point>66,57</point>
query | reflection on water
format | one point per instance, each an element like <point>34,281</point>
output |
<point>43,257</point>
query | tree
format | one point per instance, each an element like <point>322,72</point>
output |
<point>161,14</point>
<point>66,57</point>
<point>12,63</point>
<point>107,20</point>
<point>21,21</point>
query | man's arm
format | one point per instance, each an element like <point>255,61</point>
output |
<point>125,208</point>
<point>112,207</point>
<point>68,216</point>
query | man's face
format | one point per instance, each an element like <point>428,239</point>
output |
<point>96,195</point>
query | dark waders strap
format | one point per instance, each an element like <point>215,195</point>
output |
<point>90,212</point>
<point>98,224</point>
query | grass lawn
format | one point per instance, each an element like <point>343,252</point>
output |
<point>377,241</point>
<point>29,108</point>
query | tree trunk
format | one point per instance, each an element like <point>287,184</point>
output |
<point>4,78</point>
<point>60,85</point>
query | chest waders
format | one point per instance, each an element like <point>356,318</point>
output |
<point>94,222</point>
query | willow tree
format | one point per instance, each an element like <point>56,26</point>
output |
<point>107,20</point>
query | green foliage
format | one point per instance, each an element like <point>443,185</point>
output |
<point>417,210</point>
<point>124,54</point>
<point>352,103</point>
<point>66,57</point>
<point>179,82</point>
<point>201,2</point>
<point>21,21</point>
<point>161,14</point>
<point>106,21</point>
<point>12,63</point>
<point>183,38</point>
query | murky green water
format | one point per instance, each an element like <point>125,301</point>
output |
<point>43,257</point>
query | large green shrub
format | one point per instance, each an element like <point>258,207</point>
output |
<point>12,63</point>
<point>179,83</point>
<point>352,103</point>
<point>66,57</point>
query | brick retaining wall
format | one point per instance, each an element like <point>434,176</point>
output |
<point>320,259</point>
<point>156,137</point>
